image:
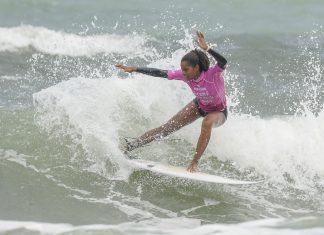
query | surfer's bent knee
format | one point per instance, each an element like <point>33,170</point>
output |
<point>219,122</point>
<point>209,123</point>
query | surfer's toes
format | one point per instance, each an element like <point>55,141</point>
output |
<point>126,146</point>
<point>123,146</point>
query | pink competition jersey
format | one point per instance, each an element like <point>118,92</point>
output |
<point>208,88</point>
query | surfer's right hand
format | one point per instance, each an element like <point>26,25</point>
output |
<point>193,166</point>
<point>125,68</point>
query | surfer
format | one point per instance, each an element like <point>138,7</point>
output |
<point>207,84</point>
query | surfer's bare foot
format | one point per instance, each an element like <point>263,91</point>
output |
<point>128,146</point>
<point>124,146</point>
<point>192,167</point>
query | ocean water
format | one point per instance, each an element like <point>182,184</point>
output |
<point>64,109</point>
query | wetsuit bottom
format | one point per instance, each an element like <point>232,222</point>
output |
<point>204,114</point>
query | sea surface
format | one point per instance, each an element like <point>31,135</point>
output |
<point>65,109</point>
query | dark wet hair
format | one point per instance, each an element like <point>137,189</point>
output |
<point>195,57</point>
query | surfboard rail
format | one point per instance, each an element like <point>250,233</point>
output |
<point>181,172</point>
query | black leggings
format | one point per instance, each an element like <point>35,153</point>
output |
<point>204,114</point>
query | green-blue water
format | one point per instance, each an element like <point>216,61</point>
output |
<point>64,109</point>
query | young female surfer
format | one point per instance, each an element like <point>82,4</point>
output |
<point>207,84</point>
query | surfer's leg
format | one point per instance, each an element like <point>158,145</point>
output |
<point>184,117</point>
<point>213,119</point>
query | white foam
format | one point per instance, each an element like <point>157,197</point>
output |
<point>274,146</point>
<point>278,147</point>
<point>103,110</point>
<point>61,43</point>
<point>172,226</point>
<point>11,78</point>
<point>13,156</point>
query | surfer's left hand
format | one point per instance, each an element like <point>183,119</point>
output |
<point>201,41</point>
<point>192,167</point>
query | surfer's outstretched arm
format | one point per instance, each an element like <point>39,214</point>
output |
<point>148,71</point>
<point>153,72</point>
<point>221,61</point>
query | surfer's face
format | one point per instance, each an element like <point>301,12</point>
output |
<point>190,72</point>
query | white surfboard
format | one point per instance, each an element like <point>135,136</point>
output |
<point>181,172</point>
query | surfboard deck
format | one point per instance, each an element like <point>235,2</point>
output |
<point>181,172</point>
